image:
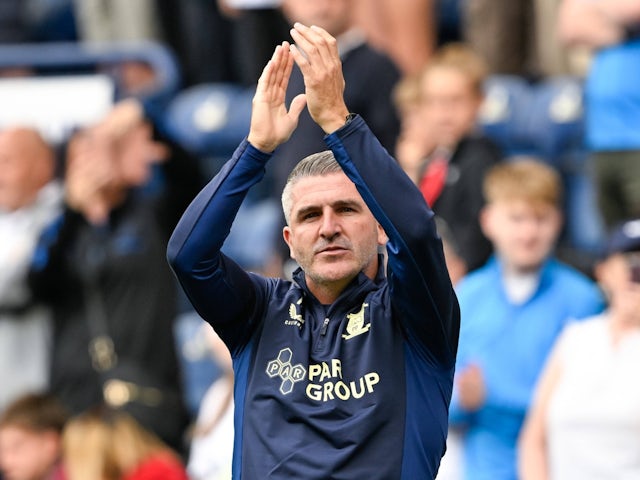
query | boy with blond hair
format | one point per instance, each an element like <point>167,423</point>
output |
<point>512,309</point>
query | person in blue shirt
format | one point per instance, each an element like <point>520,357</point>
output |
<point>346,371</point>
<point>512,310</point>
<point>610,31</point>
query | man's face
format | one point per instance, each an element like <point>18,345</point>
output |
<point>523,234</point>
<point>26,455</point>
<point>449,105</point>
<point>332,15</point>
<point>332,233</point>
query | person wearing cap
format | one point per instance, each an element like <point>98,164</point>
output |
<point>585,419</point>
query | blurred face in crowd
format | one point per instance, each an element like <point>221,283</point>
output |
<point>332,234</point>
<point>27,455</point>
<point>523,234</point>
<point>449,105</point>
<point>619,276</point>
<point>26,165</point>
<point>335,16</point>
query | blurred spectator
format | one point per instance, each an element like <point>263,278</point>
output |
<point>117,20</point>
<point>30,198</point>
<point>512,310</point>
<point>109,444</point>
<point>101,266</point>
<point>258,26</point>
<point>611,29</point>
<point>113,21</point>
<point>211,450</point>
<point>517,37</point>
<point>31,438</point>
<point>370,77</point>
<point>406,30</point>
<point>441,148</point>
<point>361,63</point>
<point>585,418</point>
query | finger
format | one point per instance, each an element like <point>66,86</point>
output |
<point>272,72</point>
<point>282,71</point>
<point>284,80</point>
<point>297,105</point>
<point>303,43</point>
<point>267,72</point>
<point>315,44</point>
<point>330,42</point>
<point>300,59</point>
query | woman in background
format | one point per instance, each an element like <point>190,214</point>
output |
<point>585,419</point>
<point>105,444</point>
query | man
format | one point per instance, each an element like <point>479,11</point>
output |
<point>30,198</point>
<point>343,372</point>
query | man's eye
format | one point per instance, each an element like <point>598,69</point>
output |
<point>309,215</point>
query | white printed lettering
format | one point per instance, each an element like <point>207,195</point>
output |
<point>342,391</point>
<point>371,379</point>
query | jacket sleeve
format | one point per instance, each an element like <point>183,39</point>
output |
<point>421,293</point>
<point>220,290</point>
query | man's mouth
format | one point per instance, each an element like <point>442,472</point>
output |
<point>331,249</point>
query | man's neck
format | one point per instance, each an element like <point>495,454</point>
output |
<point>327,293</point>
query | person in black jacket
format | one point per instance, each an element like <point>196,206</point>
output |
<point>101,267</point>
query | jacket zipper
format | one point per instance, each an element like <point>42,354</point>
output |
<point>325,325</point>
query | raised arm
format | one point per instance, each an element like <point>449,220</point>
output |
<point>220,291</point>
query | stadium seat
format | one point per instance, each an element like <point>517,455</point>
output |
<point>543,119</point>
<point>501,116</point>
<point>210,119</point>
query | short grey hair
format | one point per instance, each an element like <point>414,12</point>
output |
<point>317,164</point>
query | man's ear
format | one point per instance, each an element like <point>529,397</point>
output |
<point>286,234</point>
<point>382,236</point>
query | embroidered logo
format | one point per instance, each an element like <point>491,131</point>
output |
<point>355,325</point>
<point>296,319</point>
<point>283,368</point>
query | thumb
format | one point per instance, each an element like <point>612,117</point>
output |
<point>297,105</point>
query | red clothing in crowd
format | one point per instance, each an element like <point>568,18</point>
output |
<point>159,467</point>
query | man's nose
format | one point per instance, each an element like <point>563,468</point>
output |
<point>330,225</point>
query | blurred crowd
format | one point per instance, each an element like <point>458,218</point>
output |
<point>105,367</point>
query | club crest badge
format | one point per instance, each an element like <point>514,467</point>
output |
<point>355,324</point>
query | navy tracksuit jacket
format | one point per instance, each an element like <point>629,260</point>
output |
<point>356,390</point>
